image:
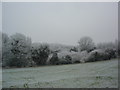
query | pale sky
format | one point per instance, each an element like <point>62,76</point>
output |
<point>63,23</point>
<point>0,16</point>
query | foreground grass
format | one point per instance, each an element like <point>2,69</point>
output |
<point>103,74</point>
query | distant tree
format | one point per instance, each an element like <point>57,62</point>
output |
<point>106,45</point>
<point>86,43</point>
<point>40,54</point>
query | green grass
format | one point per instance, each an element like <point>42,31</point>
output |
<point>86,75</point>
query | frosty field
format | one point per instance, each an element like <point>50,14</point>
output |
<point>102,74</point>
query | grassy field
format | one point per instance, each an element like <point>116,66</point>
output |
<point>102,74</point>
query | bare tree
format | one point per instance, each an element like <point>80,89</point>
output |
<point>86,43</point>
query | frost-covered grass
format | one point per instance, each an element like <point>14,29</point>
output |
<point>102,74</point>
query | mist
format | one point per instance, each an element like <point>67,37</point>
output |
<point>61,22</point>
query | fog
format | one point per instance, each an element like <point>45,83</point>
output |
<point>59,22</point>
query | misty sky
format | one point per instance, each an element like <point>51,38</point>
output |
<point>63,23</point>
<point>0,16</point>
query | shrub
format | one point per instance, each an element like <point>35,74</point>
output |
<point>68,58</point>
<point>75,57</point>
<point>93,56</point>
<point>20,49</point>
<point>54,59</point>
<point>40,54</point>
<point>83,56</point>
<point>99,54</point>
<point>112,53</point>
<point>76,61</point>
<point>64,60</point>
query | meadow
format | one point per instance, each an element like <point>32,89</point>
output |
<point>100,74</point>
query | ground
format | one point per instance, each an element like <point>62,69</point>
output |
<point>101,74</point>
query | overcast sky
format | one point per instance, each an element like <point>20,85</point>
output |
<point>0,16</point>
<point>63,23</point>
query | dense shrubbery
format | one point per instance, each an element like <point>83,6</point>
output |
<point>75,56</point>
<point>95,55</point>
<point>65,60</point>
<point>19,51</point>
<point>40,54</point>
<point>68,58</point>
<point>100,54</point>
<point>20,48</point>
<point>112,53</point>
<point>83,56</point>
<point>15,50</point>
<point>54,59</point>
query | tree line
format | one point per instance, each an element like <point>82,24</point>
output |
<point>19,51</point>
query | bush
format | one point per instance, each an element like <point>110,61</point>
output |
<point>40,54</point>
<point>83,56</point>
<point>20,49</point>
<point>64,60</point>
<point>76,61</point>
<point>75,57</point>
<point>112,53</point>
<point>68,58</point>
<point>100,54</point>
<point>54,59</point>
